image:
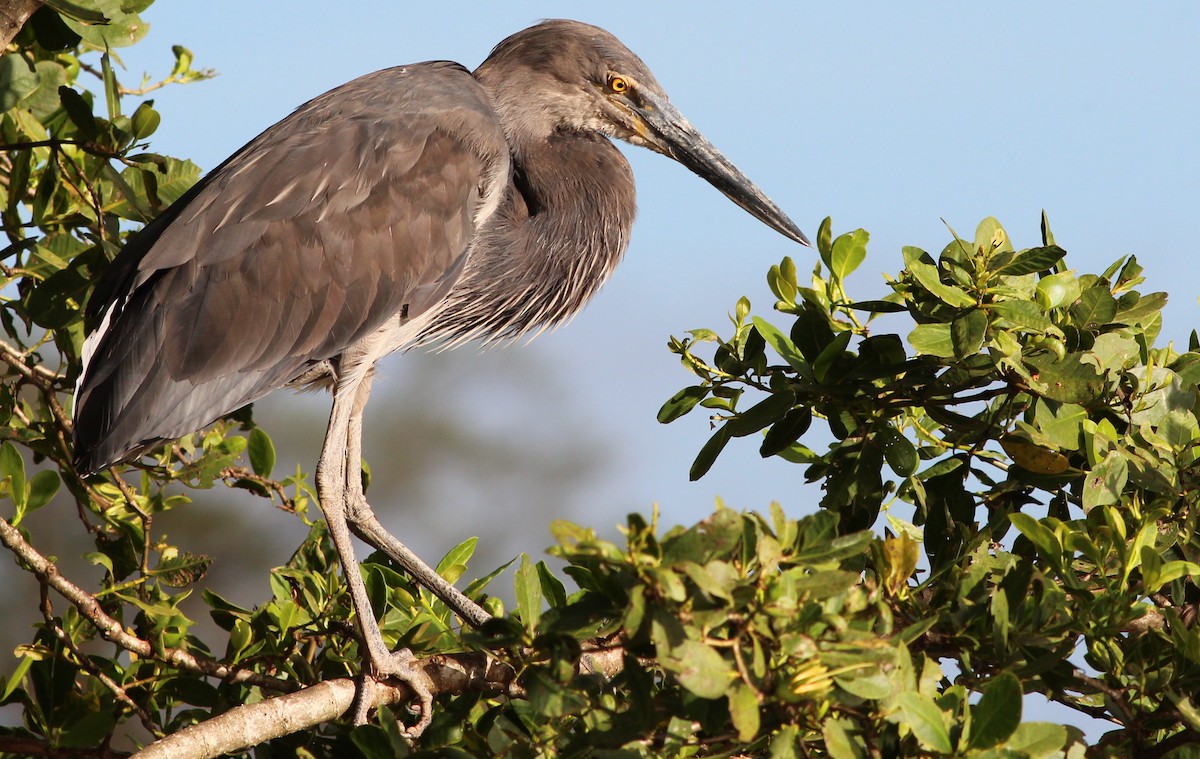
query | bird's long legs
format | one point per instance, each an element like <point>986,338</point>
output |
<point>365,525</point>
<point>332,477</point>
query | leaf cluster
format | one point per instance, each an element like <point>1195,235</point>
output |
<point>1022,395</point>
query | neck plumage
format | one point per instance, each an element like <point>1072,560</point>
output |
<point>559,233</point>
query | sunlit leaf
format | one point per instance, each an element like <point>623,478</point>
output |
<point>528,589</point>
<point>927,722</point>
<point>1033,260</point>
<point>261,452</point>
<point>848,252</point>
<point>932,340</point>
<point>998,713</point>
<point>699,668</point>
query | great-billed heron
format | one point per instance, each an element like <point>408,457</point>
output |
<point>417,205</point>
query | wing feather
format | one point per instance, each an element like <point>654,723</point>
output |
<point>358,207</point>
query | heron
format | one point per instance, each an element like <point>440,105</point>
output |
<point>419,205</point>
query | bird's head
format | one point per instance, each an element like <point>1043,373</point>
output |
<point>567,75</point>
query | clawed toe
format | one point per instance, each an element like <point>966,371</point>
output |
<point>404,666</point>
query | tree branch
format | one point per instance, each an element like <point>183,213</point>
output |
<point>13,15</point>
<point>251,724</point>
<point>113,631</point>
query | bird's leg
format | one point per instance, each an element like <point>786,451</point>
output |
<point>331,489</point>
<point>367,527</point>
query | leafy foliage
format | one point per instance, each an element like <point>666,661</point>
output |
<point>1026,389</point>
<point>1009,484</point>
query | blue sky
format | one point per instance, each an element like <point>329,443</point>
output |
<point>890,117</point>
<point>886,116</point>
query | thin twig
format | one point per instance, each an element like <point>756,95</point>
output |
<point>147,520</point>
<point>85,663</point>
<point>275,486</point>
<point>114,632</point>
<point>15,745</point>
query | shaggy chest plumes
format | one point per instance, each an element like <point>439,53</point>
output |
<point>555,240</point>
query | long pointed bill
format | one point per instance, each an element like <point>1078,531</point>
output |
<point>675,137</point>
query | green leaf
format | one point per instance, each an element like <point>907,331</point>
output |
<point>927,276</point>
<point>1095,308</point>
<point>1068,380</point>
<point>12,470</point>
<point>848,252</point>
<point>781,279</point>
<point>88,731</point>
<point>878,306</point>
<point>1141,309</point>
<point>743,709</point>
<point>1047,235</point>
<point>781,343</point>
<point>1057,290</point>
<point>824,237</point>
<point>1033,261</point>
<point>262,452</point>
<point>77,11</point>
<point>1106,482</point>
<point>458,556</point>
<point>786,431</point>
<point>168,180</point>
<point>926,721</point>
<point>1169,572</point>
<point>998,712</point>
<point>932,340</point>
<point>528,588</point>
<point>112,88</point>
<point>552,588</point>
<point>1039,740</point>
<point>968,331</point>
<point>79,111</point>
<point>1022,313</point>
<point>875,686</point>
<point>42,487</point>
<point>708,454</point>
<point>1115,351</point>
<point>681,403</point>
<point>838,742</point>
<point>15,678</point>
<point>120,29</point>
<point>767,411</point>
<point>372,742</point>
<point>1041,536</point>
<point>181,570</point>
<point>899,452</point>
<point>145,120</point>
<point>990,236</point>
<point>18,80</point>
<point>829,356</point>
<point>699,668</point>
<point>1063,426</point>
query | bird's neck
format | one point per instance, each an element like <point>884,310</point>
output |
<point>559,233</point>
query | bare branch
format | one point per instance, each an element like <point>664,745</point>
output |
<point>252,724</point>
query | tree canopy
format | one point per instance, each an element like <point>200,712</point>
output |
<point>1005,452</point>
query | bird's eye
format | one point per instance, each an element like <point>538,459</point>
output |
<point>618,84</point>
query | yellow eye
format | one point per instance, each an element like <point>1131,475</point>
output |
<point>618,84</point>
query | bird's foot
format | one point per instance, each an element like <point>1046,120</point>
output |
<point>404,666</point>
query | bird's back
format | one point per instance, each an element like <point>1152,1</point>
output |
<point>353,213</point>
